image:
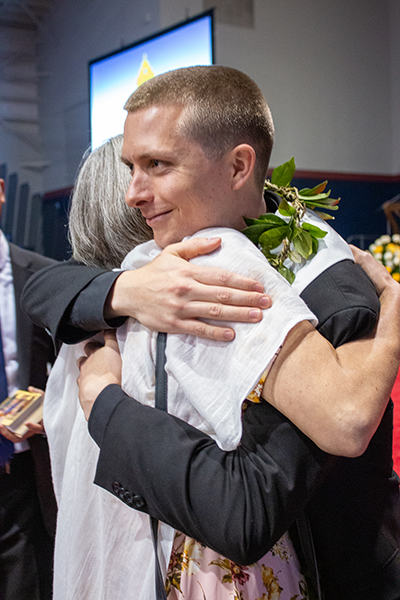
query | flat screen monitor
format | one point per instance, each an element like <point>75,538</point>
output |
<point>115,76</point>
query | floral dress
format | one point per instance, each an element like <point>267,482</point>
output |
<point>199,573</point>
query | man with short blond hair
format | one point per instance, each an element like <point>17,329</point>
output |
<point>239,502</point>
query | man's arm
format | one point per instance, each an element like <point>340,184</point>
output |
<point>238,503</point>
<point>74,301</point>
<point>51,299</point>
<point>337,396</point>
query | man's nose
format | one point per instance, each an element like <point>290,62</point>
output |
<point>139,191</point>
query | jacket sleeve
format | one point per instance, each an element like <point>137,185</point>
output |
<point>238,503</point>
<point>68,300</point>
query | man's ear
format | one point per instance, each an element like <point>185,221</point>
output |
<point>243,160</point>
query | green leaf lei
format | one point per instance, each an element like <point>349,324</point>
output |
<point>299,240</point>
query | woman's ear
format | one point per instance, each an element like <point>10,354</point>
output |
<point>243,160</point>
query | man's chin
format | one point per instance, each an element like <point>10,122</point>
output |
<point>163,241</point>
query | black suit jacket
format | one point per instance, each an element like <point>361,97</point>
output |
<point>35,350</point>
<point>240,502</point>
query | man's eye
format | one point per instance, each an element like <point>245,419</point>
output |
<point>155,162</point>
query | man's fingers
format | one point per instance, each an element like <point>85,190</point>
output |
<point>81,361</point>
<point>91,347</point>
<point>203,330</point>
<point>360,256</point>
<point>375,270</point>
<point>110,339</point>
<point>208,275</point>
<point>227,279</point>
<point>220,312</point>
<point>231,296</point>
<point>193,247</point>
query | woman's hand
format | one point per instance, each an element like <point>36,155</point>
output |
<point>101,366</point>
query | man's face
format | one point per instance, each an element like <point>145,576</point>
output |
<point>176,187</point>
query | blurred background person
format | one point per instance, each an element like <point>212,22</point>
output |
<point>27,503</point>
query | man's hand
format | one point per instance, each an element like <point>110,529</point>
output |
<point>170,294</point>
<point>378,274</point>
<point>100,367</point>
<point>33,428</point>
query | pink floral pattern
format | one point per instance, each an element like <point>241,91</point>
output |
<point>198,573</point>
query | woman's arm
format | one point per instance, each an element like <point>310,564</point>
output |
<point>337,397</point>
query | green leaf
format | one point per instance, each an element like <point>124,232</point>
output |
<point>267,219</point>
<point>315,245</point>
<point>295,230</point>
<point>249,221</point>
<point>272,258</point>
<point>294,256</point>
<point>287,274</point>
<point>292,225</point>
<point>316,197</point>
<point>318,189</point>
<point>283,175</point>
<point>286,209</point>
<point>324,216</point>
<point>312,205</point>
<point>253,232</point>
<point>272,219</point>
<point>314,230</point>
<point>329,203</point>
<point>273,237</point>
<point>303,244</point>
<point>258,226</point>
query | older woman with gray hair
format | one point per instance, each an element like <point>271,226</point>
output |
<point>102,227</point>
<point>94,530</point>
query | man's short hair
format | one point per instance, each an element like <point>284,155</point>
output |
<point>223,107</point>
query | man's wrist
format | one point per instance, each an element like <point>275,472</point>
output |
<point>115,306</point>
<point>89,306</point>
<point>102,410</point>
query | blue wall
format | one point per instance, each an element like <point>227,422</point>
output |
<point>360,209</point>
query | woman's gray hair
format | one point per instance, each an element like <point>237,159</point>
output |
<point>102,227</point>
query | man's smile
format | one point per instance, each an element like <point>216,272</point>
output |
<point>154,219</point>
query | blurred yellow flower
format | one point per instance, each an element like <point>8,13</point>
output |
<point>386,250</point>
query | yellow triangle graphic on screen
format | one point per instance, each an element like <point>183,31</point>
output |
<point>145,71</point>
